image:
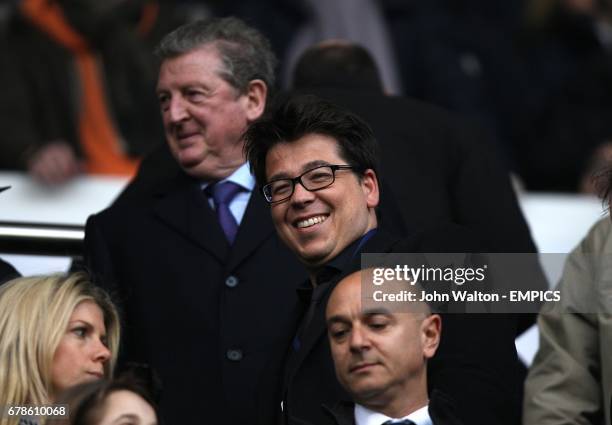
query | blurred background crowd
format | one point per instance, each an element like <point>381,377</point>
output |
<point>79,75</point>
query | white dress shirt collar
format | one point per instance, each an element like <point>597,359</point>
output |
<point>365,416</point>
<point>242,176</point>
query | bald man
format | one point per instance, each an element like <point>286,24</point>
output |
<point>380,357</point>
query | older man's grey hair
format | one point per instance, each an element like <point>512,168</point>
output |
<point>245,53</point>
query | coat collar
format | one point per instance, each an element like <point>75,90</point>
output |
<point>182,206</point>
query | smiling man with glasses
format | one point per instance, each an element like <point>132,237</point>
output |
<point>319,222</point>
<point>317,167</point>
<point>333,156</point>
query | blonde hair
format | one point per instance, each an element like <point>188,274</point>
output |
<point>34,315</point>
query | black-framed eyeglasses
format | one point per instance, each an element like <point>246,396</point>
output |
<point>312,180</point>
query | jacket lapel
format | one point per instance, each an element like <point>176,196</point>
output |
<point>315,332</point>
<point>255,228</point>
<point>343,412</point>
<point>184,208</point>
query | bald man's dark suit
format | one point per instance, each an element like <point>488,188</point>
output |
<point>205,316</point>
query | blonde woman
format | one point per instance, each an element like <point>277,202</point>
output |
<point>55,332</point>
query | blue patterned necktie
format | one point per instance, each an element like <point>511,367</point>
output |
<point>398,422</point>
<point>222,194</point>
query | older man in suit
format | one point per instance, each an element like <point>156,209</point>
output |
<point>207,289</point>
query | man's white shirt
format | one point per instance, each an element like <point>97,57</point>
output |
<point>242,177</point>
<point>365,416</point>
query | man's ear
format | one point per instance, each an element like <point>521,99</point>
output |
<point>255,99</point>
<point>430,334</point>
<point>369,182</point>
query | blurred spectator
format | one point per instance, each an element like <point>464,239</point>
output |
<point>293,26</point>
<point>55,332</point>
<point>461,55</point>
<point>566,128</point>
<point>125,400</point>
<point>79,87</point>
<point>337,64</point>
<point>361,21</point>
<point>570,379</point>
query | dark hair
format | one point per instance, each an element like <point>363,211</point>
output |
<point>339,65</point>
<point>300,115</point>
<point>86,402</point>
<point>603,185</point>
<point>245,53</point>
